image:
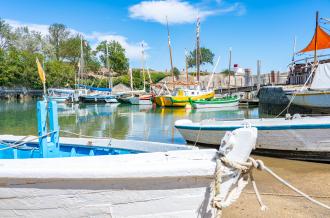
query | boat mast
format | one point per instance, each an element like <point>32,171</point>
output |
<point>169,47</point>
<point>107,63</point>
<point>229,68</point>
<point>131,79</point>
<point>186,59</point>
<point>144,77</point>
<point>81,63</point>
<point>315,47</point>
<point>197,48</point>
<point>294,48</point>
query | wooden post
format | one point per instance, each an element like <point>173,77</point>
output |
<point>258,74</point>
<point>42,127</point>
<point>54,145</point>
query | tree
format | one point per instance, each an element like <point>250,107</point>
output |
<point>206,56</point>
<point>176,72</point>
<point>58,33</point>
<point>26,40</point>
<point>118,62</point>
<point>6,35</point>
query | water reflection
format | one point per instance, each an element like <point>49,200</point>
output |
<point>141,122</point>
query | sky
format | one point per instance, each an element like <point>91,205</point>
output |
<point>254,29</point>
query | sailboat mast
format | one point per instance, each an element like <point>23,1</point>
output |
<point>131,79</point>
<point>144,77</point>
<point>186,58</point>
<point>294,48</point>
<point>170,48</point>
<point>107,63</point>
<point>81,64</point>
<point>229,67</point>
<point>316,26</point>
<point>197,48</point>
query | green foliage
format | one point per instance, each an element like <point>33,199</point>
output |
<point>58,69</point>
<point>227,72</point>
<point>117,60</point>
<point>176,72</point>
<point>206,56</point>
<point>6,35</point>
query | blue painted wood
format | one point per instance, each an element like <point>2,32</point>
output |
<point>42,127</point>
<point>53,146</point>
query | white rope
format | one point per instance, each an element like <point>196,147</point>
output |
<point>247,169</point>
<point>295,189</point>
<point>81,135</point>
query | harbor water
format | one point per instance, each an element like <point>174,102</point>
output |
<point>150,123</point>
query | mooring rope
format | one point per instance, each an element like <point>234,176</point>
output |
<point>81,135</point>
<point>295,93</point>
<point>247,169</point>
<point>14,145</point>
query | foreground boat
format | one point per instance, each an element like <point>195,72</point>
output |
<point>228,101</point>
<point>302,138</point>
<point>113,178</point>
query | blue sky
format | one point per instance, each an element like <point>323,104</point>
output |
<point>255,29</point>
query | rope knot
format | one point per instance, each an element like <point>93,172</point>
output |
<point>258,164</point>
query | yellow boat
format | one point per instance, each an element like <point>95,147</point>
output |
<point>181,97</point>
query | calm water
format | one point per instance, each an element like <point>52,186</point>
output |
<point>141,122</point>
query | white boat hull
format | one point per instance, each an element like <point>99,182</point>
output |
<point>150,185</point>
<point>306,143</point>
<point>312,99</point>
<point>174,184</point>
<point>223,105</point>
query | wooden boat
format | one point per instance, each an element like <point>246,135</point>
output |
<point>135,99</point>
<point>228,101</point>
<point>304,138</point>
<point>113,178</point>
<point>317,95</point>
<point>181,97</point>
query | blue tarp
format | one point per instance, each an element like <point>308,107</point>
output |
<point>95,88</point>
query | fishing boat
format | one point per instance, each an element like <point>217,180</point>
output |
<point>224,102</point>
<point>180,97</point>
<point>297,137</point>
<point>59,95</point>
<point>78,177</point>
<point>315,94</point>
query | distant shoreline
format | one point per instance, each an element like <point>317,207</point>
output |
<point>19,93</point>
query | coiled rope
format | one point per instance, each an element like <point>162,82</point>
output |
<point>247,170</point>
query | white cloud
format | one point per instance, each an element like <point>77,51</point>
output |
<point>133,50</point>
<point>177,11</point>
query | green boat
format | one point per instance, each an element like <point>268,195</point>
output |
<point>228,101</point>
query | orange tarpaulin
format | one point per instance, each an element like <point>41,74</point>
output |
<point>322,41</point>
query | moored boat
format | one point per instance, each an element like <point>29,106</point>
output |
<point>182,97</point>
<point>227,101</point>
<point>59,95</point>
<point>74,177</point>
<point>305,138</point>
<point>316,90</point>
